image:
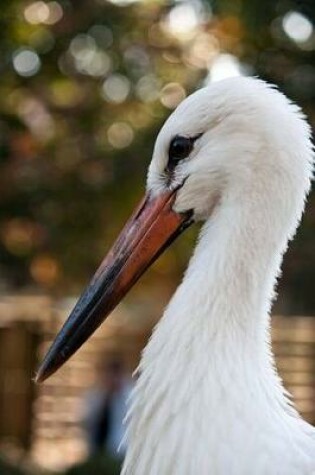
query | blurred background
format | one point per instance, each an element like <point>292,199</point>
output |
<point>85,86</point>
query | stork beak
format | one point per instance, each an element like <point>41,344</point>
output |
<point>149,231</point>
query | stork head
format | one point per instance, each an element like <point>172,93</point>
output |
<point>225,139</point>
<point>233,137</point>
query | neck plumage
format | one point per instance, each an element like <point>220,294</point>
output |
<point>208,367</point>
<point>224,299</point>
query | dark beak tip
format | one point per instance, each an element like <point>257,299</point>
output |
<point>40,375</point>
<point>38,378</point>
<point>52,362</point>
<point>43,373</point>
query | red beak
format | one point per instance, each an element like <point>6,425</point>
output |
<point>149,231</point>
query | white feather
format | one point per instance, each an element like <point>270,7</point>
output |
<point>208,400</point>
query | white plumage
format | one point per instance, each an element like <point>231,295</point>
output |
<point>208,400</point>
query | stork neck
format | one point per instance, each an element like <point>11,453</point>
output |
<point>229,282</point>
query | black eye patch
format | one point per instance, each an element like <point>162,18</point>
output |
<point>180,148</point>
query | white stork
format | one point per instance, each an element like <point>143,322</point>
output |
<point>209,401</point>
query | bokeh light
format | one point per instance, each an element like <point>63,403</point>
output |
<point>37,12</point>
<point>41,12</point>
<point>88,58</point>
<point>148,88</point>
<point>82,47</point>
<point>223,67</point>
<point>45,270</point>
<point>36,116</point>
<point>55,13</point>
<point>297,26</point>
<point>116,88</point>
<point>172,94</point>
<point>120,135</point>
<point>182,21</point>
<point>202,51</point>
<point>20,235</point>
<point>26,62</point>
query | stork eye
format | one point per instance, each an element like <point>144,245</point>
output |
<point>180,147</point>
